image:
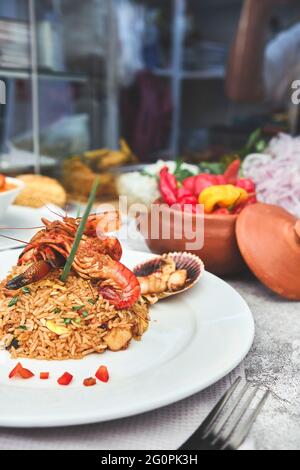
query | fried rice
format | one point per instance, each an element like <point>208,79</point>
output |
<point>52,320</point>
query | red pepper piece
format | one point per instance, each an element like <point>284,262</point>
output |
<point>44,375</point>
<point>189,184</point>
<point>202,182</point>
<point>222,211</point>
<point>65,379</point>
<point>20,371</point>
<point>183,192</point>
<point>247,184</point>
<point>220,180</point>
<point>90,382</point>
<point>102,374</point>
<point>232,172</point>
<point>240,207</point>
<point>168,186</point>
<point>190,200</point>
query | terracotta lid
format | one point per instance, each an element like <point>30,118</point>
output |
<point>269,240</point>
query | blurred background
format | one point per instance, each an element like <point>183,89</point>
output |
<point>81,76</point>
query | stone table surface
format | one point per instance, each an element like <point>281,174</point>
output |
<point>274,361</point>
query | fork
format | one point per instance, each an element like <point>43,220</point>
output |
<point>226,427</point>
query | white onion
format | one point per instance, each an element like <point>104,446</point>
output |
<point>277,173</point>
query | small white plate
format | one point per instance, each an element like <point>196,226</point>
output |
<point>194,340</point>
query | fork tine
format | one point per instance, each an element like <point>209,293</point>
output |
<point>195,439</point>
<point>214,431</point>
<point>214,415</point>
<point>222,440</point>
<point>235,442</point>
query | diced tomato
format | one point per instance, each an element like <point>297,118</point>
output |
<point>90,382</point>
<point>20,371</point>
<point>15,371</point>
<point>26,373</point>
<point>102,374</point>
<point>2,181</point>
<point>44,375</point>
<point>65,379</point>
<point>232,172</point>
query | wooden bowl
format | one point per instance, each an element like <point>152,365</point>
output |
<point>220,252</point>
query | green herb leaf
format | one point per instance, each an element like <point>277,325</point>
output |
<point>92,301</point>
<point>180,172</point>
<point>26,290</point>
<point>76,308</point>
<point>145,173</point>
<point>13,301</point>
<point>85,314</point>
<point>23,327</point>
<point>80,231</point>
<point>213,168</point>
<point>67,321</point>
<point>57,310</point>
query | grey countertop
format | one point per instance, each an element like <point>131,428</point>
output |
<point>274,361</point>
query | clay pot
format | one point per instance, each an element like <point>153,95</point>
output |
<point>220,252</point>
<point>269,240</point>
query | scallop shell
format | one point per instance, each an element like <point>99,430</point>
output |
<point>191,263</point>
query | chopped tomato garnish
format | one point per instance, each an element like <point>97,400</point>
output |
<point>44,375</point>
<point>20,371</point>
<point>102,374</point>
<point>90,382</point>
<point>65,379</point>
<point>15,371</point>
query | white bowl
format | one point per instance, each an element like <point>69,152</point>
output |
<point>7,198</point>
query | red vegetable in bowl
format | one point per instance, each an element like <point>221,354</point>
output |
<point>251,200</point>
<point>247,184</point>
<point>186,197</point>
<point>222,211</point>
<point>232,172</point>
<point>168,186</point>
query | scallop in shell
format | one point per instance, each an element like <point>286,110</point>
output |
<point>168,275</point>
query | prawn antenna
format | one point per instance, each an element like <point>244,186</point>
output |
<point>14,239</point>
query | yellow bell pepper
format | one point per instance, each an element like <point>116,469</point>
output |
<point>224,196</point>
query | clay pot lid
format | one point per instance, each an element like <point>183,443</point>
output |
<point>269,240</point>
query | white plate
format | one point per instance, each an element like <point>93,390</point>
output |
<point>193,340</point>
<point>21,219</point>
